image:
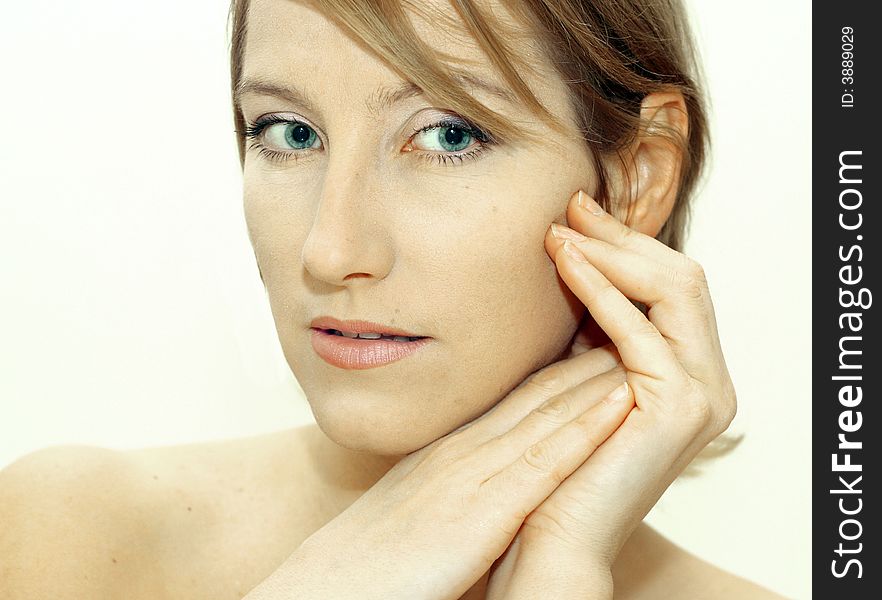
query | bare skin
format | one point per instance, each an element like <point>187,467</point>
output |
<point>212,520</point>
<point>363,228</point>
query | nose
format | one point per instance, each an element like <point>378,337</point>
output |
<point>348,242</point>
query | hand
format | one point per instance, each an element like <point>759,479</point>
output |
<point>675,371</point>
<point>434,524</point>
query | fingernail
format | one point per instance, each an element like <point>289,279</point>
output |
<point>565,233</point>
<point>576,254</point>
<point>587,202</point>
<point>620,394</point>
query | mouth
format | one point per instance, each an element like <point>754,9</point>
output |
<point>365,330</point>
<point>373,336</point>
<point>358,352</point>
<point>362,344</point>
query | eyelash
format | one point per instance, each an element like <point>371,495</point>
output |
<point>253,131</point>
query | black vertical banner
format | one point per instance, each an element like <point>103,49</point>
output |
<point>847,266</point>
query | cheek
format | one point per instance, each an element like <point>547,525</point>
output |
<point>504,311</point>
<point>277,230</point>
<point>277,225</point>
<point>471,268</point>
<point>524,298</point>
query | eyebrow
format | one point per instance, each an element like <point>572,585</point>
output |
<point>381,99</point>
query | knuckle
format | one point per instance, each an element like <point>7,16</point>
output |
<point>695,279</point>
<point>732,401</point>
<point>443,453</point>
<point>548,379</point>
<point>728,409</point>
<point>540,460</point>
<point>543,524</point>
<point>693,268</point>
<point>509,528</point>
<point>554,411</point>
<point>627,235</point>
<point>691,282</point>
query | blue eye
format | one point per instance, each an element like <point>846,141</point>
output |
<point>451,139</point>
<point>281,139</point>
<point>298,135</point>
<point>445,138</point>
<point>275,136</point>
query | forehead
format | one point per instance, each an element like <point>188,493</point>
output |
<point>289,38</point>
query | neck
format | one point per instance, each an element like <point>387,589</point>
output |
<point>342,472</point>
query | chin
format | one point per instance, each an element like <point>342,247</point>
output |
<point>375,427</point>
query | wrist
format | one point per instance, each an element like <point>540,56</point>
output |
<point>536,569</point>
<point>315,570</point>
<point>572,554</point>
<point>571,576</point>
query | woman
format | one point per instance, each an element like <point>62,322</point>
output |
<point>523,416</point>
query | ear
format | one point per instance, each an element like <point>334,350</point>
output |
<point>645,184</point>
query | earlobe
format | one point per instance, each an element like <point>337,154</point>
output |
<point>653,163</point>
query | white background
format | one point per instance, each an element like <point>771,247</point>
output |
<point>132,314</point>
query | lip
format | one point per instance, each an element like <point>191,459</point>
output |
<point>358,327</point>
<point>352,353</point>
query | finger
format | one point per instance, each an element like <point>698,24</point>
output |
<point>548,416</point>
<point>587,217</point>
<point>653,281</point>
<point>546,383</point>
<point>680,305</point>
<point>541,467</point>
<point>641,346</point>
<point>631,470</point>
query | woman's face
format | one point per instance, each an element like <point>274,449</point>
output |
<point>359,218</point>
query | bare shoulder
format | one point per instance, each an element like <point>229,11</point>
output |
<point>69,513</point>
<point>704,580</point>
<point>650,563</point>
<point>87,522</point>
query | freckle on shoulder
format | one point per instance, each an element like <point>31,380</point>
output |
<point>70,515</point>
